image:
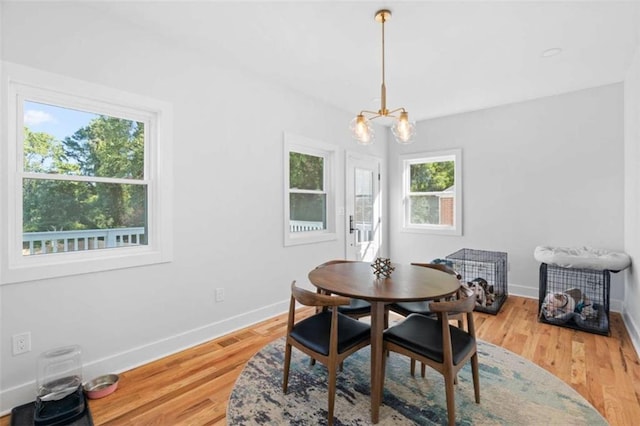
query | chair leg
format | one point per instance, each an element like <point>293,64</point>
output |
<point>476,377</point>
<point>451,403</point>
<point>384,369</point>
<point>312,361</point>
<point>413,367</point>
<point>287,361</point>
<point>332,392</point>
<point>423,369</point>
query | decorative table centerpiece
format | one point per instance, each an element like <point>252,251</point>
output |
<point>382,267</point>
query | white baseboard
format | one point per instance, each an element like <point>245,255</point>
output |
<point>633,330</point>
<point>145,354</point>
<point>523,291</point>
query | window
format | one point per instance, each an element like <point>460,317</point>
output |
<point>309,200</point>
<point>84,184</point>
<point>432,191</point>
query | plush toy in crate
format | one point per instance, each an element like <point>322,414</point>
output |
<point>485,293</point>
<point>567,305</point>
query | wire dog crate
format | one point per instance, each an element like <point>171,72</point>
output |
<point>575,298</point>
<point>487,272</point>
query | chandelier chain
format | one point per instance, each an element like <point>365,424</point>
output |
<point>383,20</point>
<point>383,89</point>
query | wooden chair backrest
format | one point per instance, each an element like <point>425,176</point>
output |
<point>333,262</point>
<point>456,309</point>
<point>465,303</point>
<point>309,298</point>
<point>439,267</point>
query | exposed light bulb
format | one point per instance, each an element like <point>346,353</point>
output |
<point>361,130</point>
<point>403,129</point>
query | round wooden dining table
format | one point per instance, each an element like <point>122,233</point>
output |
<point>406,283</point>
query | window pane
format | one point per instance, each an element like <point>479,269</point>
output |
<point>364,205</point>
<point>307,212</point>
<point>65,141</point>
<point>68,216</point>
<point>306,171</point>
<point>425,210</point>
<point>432,177</point>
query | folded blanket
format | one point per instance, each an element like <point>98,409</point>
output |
<point>582,258</point>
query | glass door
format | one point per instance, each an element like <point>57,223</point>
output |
<point>363,207</point>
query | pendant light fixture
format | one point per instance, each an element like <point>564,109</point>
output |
<point>403,129</point>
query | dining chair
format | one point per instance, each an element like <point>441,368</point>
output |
<point>436,343</point>
<point>420,307</point>
<point>327,336</point>
<point>357,308</point>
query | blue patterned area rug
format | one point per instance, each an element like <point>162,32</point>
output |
<point>513,391</point>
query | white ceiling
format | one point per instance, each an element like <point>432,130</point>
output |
<point>442,57</point>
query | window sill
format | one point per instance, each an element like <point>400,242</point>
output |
<point>432,230</point>
<point>68,264</point>
<point>309,238</point>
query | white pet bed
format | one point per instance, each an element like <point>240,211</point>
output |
<point>582,258</point>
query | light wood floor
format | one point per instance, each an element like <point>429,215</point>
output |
<point>193,386</point>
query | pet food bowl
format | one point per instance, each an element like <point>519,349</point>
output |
<point>101,386</point>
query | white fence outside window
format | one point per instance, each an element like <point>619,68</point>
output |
<point>87,239</point>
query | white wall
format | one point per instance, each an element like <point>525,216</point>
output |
<point>542,172</point>
<point>228,195</point>
<point>631,312</point>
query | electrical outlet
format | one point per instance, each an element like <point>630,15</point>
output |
<point>21,343</point>
<point>219,294</point>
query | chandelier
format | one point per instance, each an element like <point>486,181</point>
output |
<point>403,129</point>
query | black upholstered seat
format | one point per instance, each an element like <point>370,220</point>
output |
<point>315,332</point>
<point>407,308</point>
<point>423,335</point>
<point>356,308</point>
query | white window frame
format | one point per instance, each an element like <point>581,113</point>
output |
<point>20,83</point>
<point>431,157</point>
<point>301,144</point>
